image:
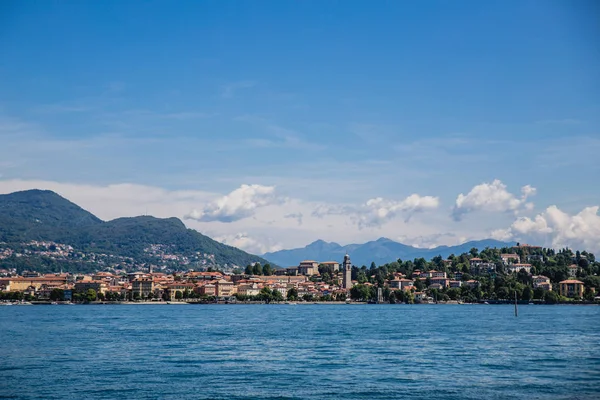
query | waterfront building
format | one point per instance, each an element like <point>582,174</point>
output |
<point>19,284</point>
<point>571,288</point>
<point>180,287</point>
<point>249,289</point>
<point>142,287</point>
<point>84,286</point>
<point>224,288</point>
<point>207,289</point>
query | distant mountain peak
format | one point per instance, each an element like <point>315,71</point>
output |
<point>380,251</point>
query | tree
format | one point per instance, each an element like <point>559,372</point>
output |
<point>551,297</point>
<point>503,293</point>
<point>523,276</point>
<point>399,295</point>
<point>57,295</point>
<point>248,270</point>
<point>419,285</point>
<point>326,269</point>
<point>307,297</point>
<point>265,294</point>
<point>527,293</point>
<point>453,293</point>
<point>257,269</point>
<point>362,277</point>
<point>101,296</point>
<point>538,293</point>
<point>292,294</point>
<point>178,295</point>
<point>588,294</point>
<point>277,296</point>
<point>91,295</point>
<point>267,270</point>
<point>360,292</point>
<point>340,296</point>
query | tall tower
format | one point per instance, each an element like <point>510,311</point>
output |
<point>347,271</point>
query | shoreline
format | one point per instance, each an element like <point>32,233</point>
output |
<point>221,303</point>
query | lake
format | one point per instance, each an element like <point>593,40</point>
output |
<point>300,352</point>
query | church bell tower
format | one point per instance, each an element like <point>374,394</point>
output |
<point>347,271</point>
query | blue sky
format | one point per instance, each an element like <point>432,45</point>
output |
<point>323,105</point>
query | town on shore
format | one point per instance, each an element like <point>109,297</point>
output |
<point>523,273</point>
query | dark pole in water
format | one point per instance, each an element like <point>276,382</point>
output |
<point>516,311</point>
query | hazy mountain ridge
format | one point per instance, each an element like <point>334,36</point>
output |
<point>380,251</point>
<point>43,215</point>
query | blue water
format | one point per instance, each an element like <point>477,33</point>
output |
<point>299,352</point>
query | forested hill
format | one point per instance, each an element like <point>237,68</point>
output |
<point>41,215</point>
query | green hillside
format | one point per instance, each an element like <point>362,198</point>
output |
<point>44,215</point>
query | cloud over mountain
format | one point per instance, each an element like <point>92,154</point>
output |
<point>376,212</point>
<point>556,228</point>
<point>250,244</point>
<point>492,197</point>
<point>239,204</point>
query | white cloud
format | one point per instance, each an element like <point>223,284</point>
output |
<point>239,204</point>
<point>251,245</point>
<point>492,197</point>
<point>433,240</point>
<point>378,211</point>
<point>555,228</point>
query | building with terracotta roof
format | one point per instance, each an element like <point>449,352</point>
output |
<point>571,288</point>
<point>541,281</point>
<point>510,258</point>
<point>573,268</point>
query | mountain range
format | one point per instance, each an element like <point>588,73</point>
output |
<point>43,215</point>
<point>380,251</point>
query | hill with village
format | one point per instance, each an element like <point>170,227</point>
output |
<point>40,230</point>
